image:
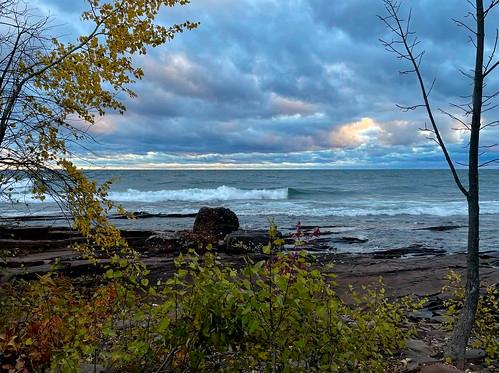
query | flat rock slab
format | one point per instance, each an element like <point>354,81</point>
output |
<point>441,228</point>
<point>415,346</point>
<point>418,275</point>
<point>440,368</point>
<point>413,270</point>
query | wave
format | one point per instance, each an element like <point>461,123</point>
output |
<point>222,193</point>
<point>442,209</point>
<point>264,202</point>
<point>20,191</point>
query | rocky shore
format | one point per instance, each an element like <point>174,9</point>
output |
<point>412,269</point>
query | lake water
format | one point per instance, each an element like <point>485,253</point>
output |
<point>388,207</point>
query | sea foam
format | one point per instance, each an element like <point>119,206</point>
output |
<point>222,193</point>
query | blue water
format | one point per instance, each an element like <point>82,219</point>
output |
<point>386,206</point>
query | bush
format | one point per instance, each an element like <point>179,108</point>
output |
<point>281,314</point>
<point>485,332</point>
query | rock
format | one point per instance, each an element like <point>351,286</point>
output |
<point>441,228</point>
<point>241,242</point>
<point>198,242</point>
<point>419,352</point>
<point>215,223</point>
<point>475,354</point>
<point>440,368</point>
<point>473,367</point>
<point>435,304</point>
<point>422,359</point>
<point>439,319</point>
<point>419,347</point>
<point>175,242</point>
<point>412,366</point>
<point>25,233</point>
<point>421,315</point>
<point>163,243</point>
<point>414,250</point>
<point>92,368</point>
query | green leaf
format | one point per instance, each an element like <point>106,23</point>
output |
<point>109,273</point>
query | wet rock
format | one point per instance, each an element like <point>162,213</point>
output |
<point>34,246</point>
<point>241,242</point>
<point>215,223</point>
<point>24,233</point>
<point>441,228</point>
<point>412,250</point>
<point>148,215</point>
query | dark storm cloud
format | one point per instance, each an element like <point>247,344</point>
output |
<point>285,82</point>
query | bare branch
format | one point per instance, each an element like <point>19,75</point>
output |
<point>493,52</point>
<point>462,24</point>
<point>452,116</point>
<point>490,69</point>
<point>488,162</point>
<point>409,108</point>
<point>492,4</point>
<point>394,23</point>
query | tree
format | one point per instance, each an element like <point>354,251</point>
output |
<point>51,91</point>
<point>405,46</point>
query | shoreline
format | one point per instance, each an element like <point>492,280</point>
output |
<point>411,269</point>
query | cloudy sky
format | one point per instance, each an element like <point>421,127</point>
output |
<point>287,83</point>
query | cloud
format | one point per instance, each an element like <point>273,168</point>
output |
<point>369,131</point>
<point>288,106</point>
<point>303,78</point>
<point>354,134</point>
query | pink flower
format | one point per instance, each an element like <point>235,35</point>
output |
<point>316,232</point>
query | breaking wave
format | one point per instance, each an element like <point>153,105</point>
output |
<point>222,193</point>
<point>388,208</point>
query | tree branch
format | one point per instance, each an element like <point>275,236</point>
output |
<point>490,69</point>
<point>393,9</point>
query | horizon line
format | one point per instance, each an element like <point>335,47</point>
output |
<point>273,169</point>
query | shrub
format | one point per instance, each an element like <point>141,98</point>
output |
<point>485,332</point>
<point>280,314</point>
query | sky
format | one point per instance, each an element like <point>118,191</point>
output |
<point>288,84</point>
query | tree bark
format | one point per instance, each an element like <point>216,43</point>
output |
<point>456,347</point>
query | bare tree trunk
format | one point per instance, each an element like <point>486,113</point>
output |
<point>456,346</point>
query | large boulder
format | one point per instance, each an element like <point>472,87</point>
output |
<point>242,242</point>
<point>215,223</point>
